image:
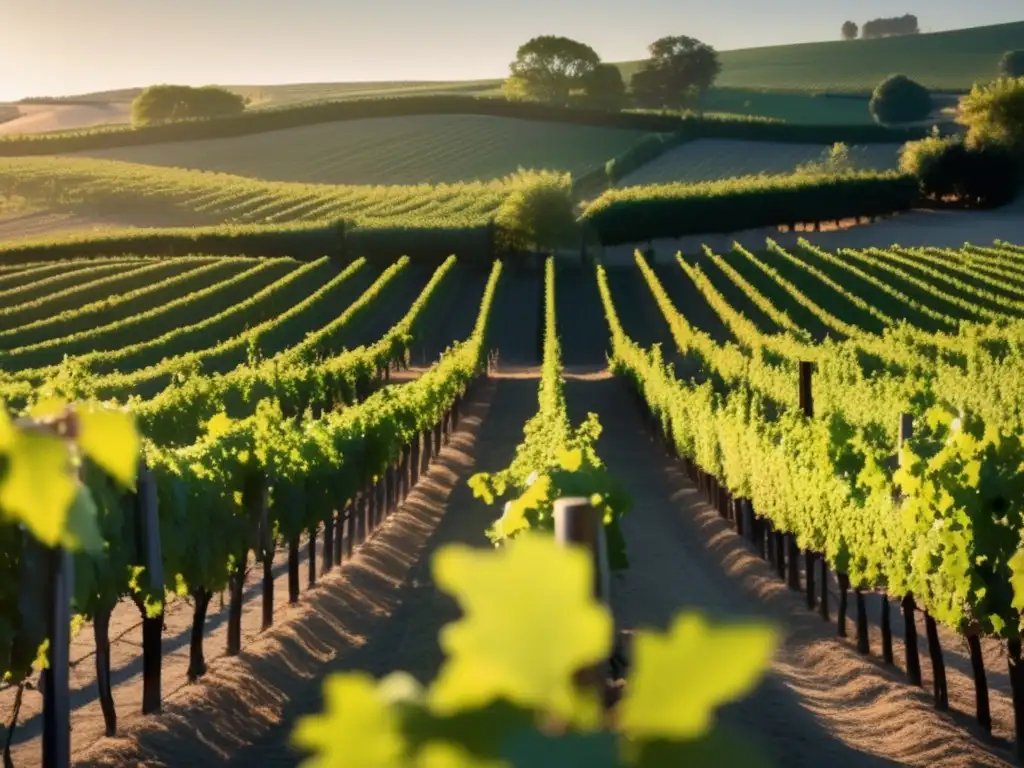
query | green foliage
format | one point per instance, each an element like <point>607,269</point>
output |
<point>834,161</point>
<point>898,99</point>
<point>603,88</point>
<point>678,72</point>
<point>850,30</point>
<point>554,460</point>
<point>1012,64</point>
<point>977,174</point>
<point>538,214</point>
<point>637,214</point>
<point>507,694</point>
<point>549,69</point>
<point>167,103</point>
<point>994,114</point>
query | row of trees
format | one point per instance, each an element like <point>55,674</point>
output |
<point>558,70</point>
<point>890,27</point>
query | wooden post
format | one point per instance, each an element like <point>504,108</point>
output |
<point>101,634</point>
<point>793,558</point>
<point>863,645</point>
<point>823,602</point>
<point>809,575</point>
<point>293,570</point>
<point>339,527</point>
<point>327,551</point>
<point>780,554</point>
<point>939,688</point>
<point>886,630</point>
<point>152,626</point>
<point>578,523</point>
<point>258,496</point>
<point>980,683</point>
<point>910,640</point>
<point>414,458</point>
<point>806,395</point>
<point>56,687</point>
<point>844,586</point>
<point>311,564</point>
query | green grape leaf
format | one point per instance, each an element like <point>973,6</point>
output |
<point>1017,579</point>
<point>357,729</point>
<point>509,644</point>
<point>38,487</point>
<point>109,438</point>
<point>682,675</point>
<point>82,532</point>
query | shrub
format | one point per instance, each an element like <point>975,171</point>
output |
<point>994,114</point>
<point>539,213</point>
<point>638,214</point>
<point>1012,64</point>
<point>166,103</point>
<point>984,175</point>
<point>836,159</point>
<point>898,99</point>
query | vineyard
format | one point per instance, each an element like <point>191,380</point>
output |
<point>127,188</point>
<point>434,149</point>
<point>313,427</point>
<point>712,159</point>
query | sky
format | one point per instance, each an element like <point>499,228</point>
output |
<point>61,47</point>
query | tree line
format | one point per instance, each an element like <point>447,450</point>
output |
<point>565,72</point>
<point>894,26</point>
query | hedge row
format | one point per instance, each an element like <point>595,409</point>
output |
<point>303,242</point>
<point>261,121</point>
<point>638,214</point>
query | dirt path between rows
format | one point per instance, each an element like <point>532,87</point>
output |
<point>822,703</point>
<point>379,612</point>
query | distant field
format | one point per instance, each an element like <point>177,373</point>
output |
<point>406,150</point>
<point>36,118</point>
<point>945,61</point>
<point>710,159</point>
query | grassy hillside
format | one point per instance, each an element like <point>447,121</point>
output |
<point>942,61</point>
<point>394,150</point>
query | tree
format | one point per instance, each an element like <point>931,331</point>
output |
<point>890,27</point>
<point>898,99</point>
<point>994,114</point>
<point>539,212</point>
<point>679,71</point>
<point>850,30</point>
<point>604,88</point>
<point>549,69</point>
<point>162,103</point>
<point>947,167</point>
<point>1012,64</point>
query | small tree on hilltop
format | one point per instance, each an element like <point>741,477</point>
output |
<point>604,88</point>
<point>850,30</point>
<point>898,99</point>
<point>678,72</point>
<point>162,103</point>
<point>1012,64</point>
<point>549,69</point>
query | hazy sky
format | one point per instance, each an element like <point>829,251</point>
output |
<point>56,47</point>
